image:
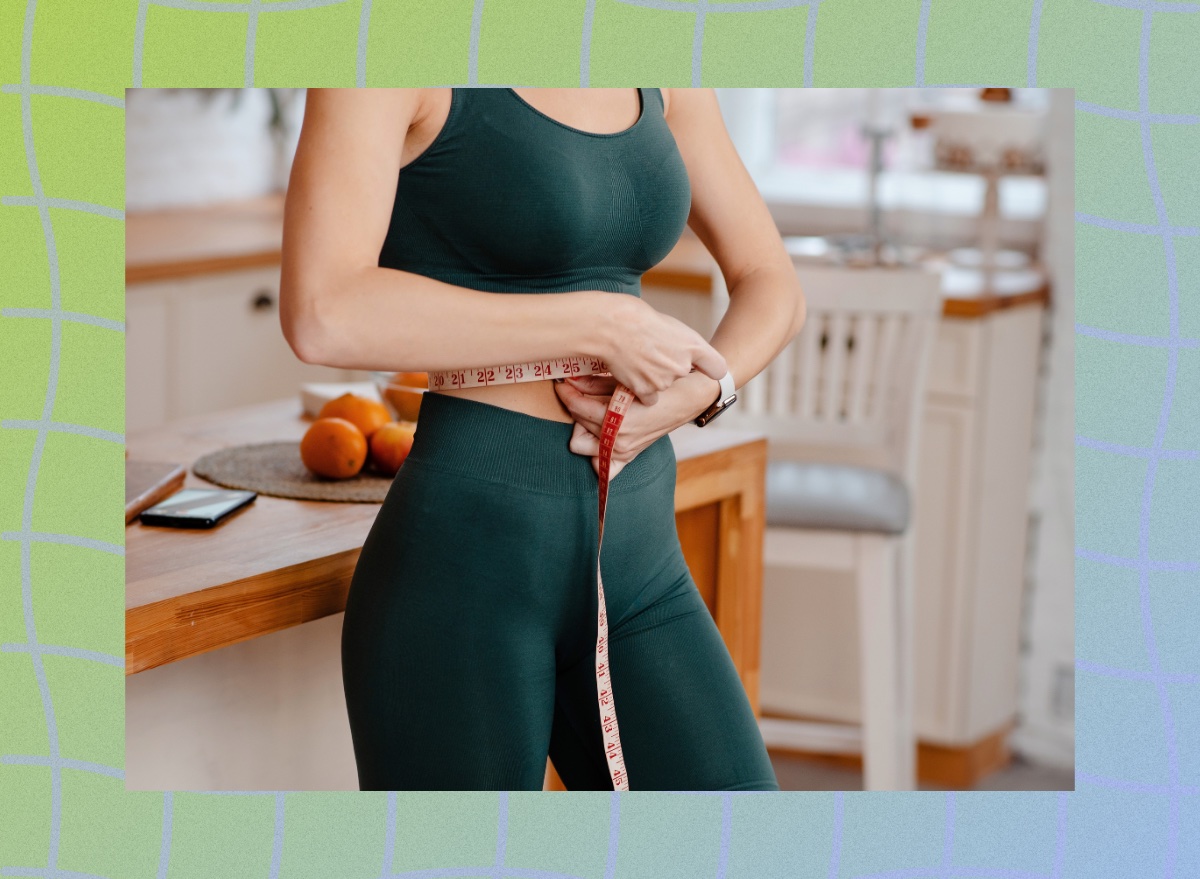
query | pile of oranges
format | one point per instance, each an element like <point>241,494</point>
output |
<point>349,431</point>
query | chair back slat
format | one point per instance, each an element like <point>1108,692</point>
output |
<point>848,377</point>
<point>809,341</point>
<point>833,367</point>
<point>862,356</point>
<point>754,395</point>
<point>886,350</point>
<point>782,382</point>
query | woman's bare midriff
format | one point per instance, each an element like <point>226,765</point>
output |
<point>537,398</point>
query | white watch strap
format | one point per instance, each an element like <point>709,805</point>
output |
<point>727,385</point>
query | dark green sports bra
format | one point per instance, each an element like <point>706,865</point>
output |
<point>509,200</point>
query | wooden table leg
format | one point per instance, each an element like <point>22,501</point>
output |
<point>553,782</point>
<point>721,523</point>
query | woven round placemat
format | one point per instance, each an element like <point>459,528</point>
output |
<point>275,469</point>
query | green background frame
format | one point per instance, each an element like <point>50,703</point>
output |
<point>64,66</point>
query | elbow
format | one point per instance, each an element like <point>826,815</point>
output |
<point>304,326</point>
<point>801,313</point>
<point>799,309</point>
<point>305,346</point>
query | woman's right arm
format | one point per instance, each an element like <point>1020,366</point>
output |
<point>339,308</point>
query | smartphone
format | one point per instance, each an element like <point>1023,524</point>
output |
<point>196,507</point>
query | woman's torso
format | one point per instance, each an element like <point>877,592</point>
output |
<point>584,191</point>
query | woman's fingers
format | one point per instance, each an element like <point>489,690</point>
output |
<point>614,467</point>
<point>587,398</point>
<point>711,362</point>
<point>584,442</point>
<point>648,398</point>
<point>594,385</point>
<point>583,407</point>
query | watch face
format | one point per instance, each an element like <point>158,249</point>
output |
<point>715,410</point>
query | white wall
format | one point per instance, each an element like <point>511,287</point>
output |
<point>198,146</point>
<point>1047,724</point>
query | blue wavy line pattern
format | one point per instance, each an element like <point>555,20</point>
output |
<point>1116,823</point>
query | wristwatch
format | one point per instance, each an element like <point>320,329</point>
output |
<point>725,399</point>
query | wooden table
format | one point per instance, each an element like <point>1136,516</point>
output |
<point>282,562</point>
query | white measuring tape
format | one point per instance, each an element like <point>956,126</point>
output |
<point>510,374</point>
<point>524,372</point>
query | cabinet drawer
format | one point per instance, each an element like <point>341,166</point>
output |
<point>954,361</point>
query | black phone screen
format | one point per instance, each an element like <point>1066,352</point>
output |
<point>196,507</point>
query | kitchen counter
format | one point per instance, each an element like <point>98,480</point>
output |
<point>281,562</point>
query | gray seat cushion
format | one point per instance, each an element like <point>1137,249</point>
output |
<point>843,496</point>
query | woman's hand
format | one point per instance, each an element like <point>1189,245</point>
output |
<point>649,351</point>
<point>587,397</point>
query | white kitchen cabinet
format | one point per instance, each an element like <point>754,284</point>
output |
<point>207,342</point>
<point>971,508</point>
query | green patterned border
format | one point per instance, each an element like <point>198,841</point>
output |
<point>64,65</point>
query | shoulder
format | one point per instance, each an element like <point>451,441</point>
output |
<point>680,103</point>
<point>391,109</point>
<point>691,111</point>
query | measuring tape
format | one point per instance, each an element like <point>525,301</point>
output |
<point>510,374</point>
<point>547,369</point>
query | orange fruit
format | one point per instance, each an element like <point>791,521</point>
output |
<point>411,379</point>
<point>364,413</point>
<point>390,445</point>
<point>406,402</point>
<point>334,448</point>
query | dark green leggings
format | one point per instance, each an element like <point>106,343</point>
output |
<point>468,645</point>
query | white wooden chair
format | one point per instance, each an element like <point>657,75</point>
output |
<point>840,406</point>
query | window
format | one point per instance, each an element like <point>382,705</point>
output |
<point>806,149</point>
<point>822,127</point>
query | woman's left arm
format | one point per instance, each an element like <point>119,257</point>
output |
<point>766,306</point>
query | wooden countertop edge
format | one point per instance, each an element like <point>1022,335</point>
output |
<point>187,268</point>
<point>679,277</point>
<point>980,306</point>
<point>749,453</point>
<point>237,611</point>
